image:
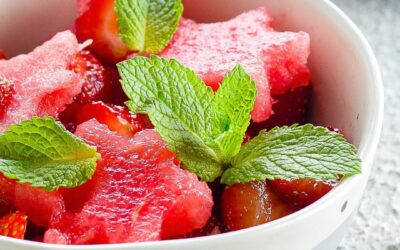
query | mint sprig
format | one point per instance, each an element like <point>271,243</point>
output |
<point>293,152</point>
<point>206,129</point>
<point>147,26</point>
<point>43,153</point>
<point>187,114</point>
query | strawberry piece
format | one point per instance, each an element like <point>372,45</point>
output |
<point>289,108</point>
<point>97,84</point>
<point>117,118</point>
<point>98,21</point>
<point>118,95</point>
<point>13,225</point>
<point>2,55</point>
<point>250,204</point>
<point>7,92</point>
<point>302,192</point>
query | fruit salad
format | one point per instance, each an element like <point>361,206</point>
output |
<point>139,124</point>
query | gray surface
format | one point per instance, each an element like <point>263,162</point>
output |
<point>377,225</point>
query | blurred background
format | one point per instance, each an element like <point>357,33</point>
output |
<point>377,225</point>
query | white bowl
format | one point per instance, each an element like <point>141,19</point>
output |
<point>348,94</point>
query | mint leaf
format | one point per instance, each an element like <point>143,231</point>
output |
<point>293,152</point>
<point>147,26</point>
<point>179,105</point>
<point>43,153</point>
<point>234,101</point>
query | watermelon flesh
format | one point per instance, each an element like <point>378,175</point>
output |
<point>138,193</point>
<point>275,60</point>
<point>42,81</point>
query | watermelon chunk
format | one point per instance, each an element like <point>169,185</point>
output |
<point>42,81</point>
<point>138,193</point>
<point>213,49</point>
<point>38,204</point>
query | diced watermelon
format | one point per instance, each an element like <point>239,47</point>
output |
<point>43,84</point>
<point>39,205</point>
<point>138,193</point>
<point>213,49</point>
<point>7,192</point>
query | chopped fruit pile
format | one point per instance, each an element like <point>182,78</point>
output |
<point>138,193</point>
<point>102,141</point>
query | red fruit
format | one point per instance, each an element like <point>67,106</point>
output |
<point>138,193</point>
<point>98,21</point>
<point>97,84</point>
<point>38,204</point>
<point>289,108</point>
<point>251,204</point>
<point>13,225</point>
<point>276,61</point>
<point>302,192</point>
<point>117,118</point>
<point>42,81</point>
<point>118,96</point>
<point>7,194</point>
<point>6,95</point>
<point>2,55</point>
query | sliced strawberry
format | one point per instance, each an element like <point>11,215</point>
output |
<point>98,21</point>
<point>13,225</point>
<point>117,118</point>
<point>301,192</point>
<point>289,108</point>
<point>251,204</point>
<point>97,84</point>
<point>7,92</point>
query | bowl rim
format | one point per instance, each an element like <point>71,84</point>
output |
<point>366,151</point>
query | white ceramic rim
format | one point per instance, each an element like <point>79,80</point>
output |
<point>366,151</point>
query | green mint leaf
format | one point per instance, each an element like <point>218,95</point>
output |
<point>234,100</point>
<point>179,105</point>
<point>147,26</point>
<point>293,152</point>
<point>43,153</point>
